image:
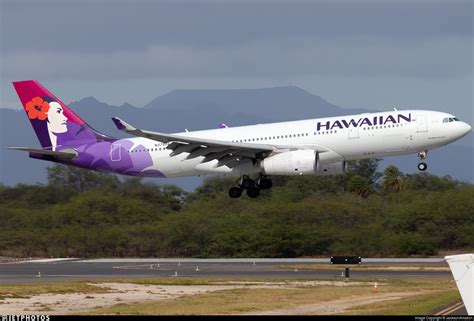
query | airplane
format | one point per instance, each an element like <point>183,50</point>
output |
<point>321,146</point>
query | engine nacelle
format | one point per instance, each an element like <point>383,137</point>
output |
<point>296,162</point>
<point>331,168</point>
<point>330,163</point>
<point>304,162</point>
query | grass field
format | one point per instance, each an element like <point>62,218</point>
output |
<point>422,296</point>
<point>234,301</point>
<point>369,267</point>
<point>426,296</point>
<point>27,290</point>
<point>423,304</point>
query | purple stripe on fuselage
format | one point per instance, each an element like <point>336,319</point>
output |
<point>111,156</point>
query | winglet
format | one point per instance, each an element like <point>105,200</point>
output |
<point>122,125</point>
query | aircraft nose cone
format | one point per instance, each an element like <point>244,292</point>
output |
<point>465,129</point>
<point>468,128</point>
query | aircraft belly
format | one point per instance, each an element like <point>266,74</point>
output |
<point>176,166</point>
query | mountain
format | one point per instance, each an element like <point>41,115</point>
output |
<point>203,109</point>
<point>274,104</point>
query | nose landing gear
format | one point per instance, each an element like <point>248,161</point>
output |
<point>422,166</point>
<point>252,187</point>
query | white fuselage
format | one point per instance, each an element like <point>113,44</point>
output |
<point>356,137</point>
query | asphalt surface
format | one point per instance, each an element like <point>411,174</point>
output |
<point>51,270</point>
<point>40,271</point>
<point>460,311</point>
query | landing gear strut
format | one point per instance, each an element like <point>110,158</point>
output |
<point>252,187</point>
<point>422,166</point>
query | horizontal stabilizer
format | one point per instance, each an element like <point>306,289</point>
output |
<point>65,154</point>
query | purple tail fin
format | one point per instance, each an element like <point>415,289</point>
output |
<point>55,124</point>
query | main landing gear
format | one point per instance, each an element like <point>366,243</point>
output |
<point>252,187</point>
<point>422,166</point>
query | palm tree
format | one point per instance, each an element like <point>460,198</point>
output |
<point>362,186</point>
<point>393,180</point>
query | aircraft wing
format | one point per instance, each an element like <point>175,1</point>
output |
<point>462,267</point>
<point>227,153</point>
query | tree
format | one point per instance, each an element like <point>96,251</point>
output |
<point>393,180</point>
<point>366,168</point>
<point>80,179</point>
<point>213,186</point>
<point>431,182</point>
<point>361,186</point>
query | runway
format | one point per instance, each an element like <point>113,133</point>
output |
<point>76,269</point>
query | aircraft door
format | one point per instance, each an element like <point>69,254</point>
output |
<point>353,132</point>
<point>115,152</point>
<point>422,125</point>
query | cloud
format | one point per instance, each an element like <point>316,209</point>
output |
<point>356,56</point>
<point>110,26</point>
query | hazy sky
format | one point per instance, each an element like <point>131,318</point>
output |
<point>369,54</point>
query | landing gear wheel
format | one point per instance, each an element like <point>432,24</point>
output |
<point>247,183</point>
<point>253,192</point>
<point>422,167</point>
<point>265,183</point>
<point>235,192</point>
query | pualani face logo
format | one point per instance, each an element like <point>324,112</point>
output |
<point>48,116</point>
<point>373,121</point>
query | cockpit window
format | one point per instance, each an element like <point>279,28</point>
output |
<point>450,120</point>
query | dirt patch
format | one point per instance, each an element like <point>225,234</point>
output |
<point>128,293</point>
<point>74,303</point>
<point>338,306</point>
